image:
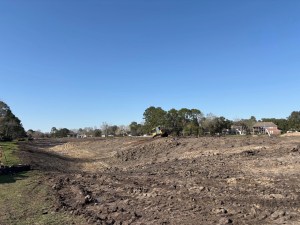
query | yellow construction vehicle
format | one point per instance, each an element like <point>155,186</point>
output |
<point>158,131</point>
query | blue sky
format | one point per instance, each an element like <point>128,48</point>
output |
<point>80,63</point>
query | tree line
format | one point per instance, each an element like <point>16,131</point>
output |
<point>105,130</point>
<point>178,122</point>
<point>182,122</point>
<point>10,125</point>
<point>192,122</point>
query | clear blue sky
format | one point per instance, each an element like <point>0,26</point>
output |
<point>79,63</point>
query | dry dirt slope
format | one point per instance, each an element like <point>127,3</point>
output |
<point>226,180</point>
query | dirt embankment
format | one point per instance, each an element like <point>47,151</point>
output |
<point>225,180</point>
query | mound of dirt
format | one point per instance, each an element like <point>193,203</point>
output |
<point>209,180</point>
<point>156,148</point>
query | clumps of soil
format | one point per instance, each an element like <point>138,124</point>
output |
<point>98,206</point>
<point>296,149</point>
<point>250,152</point>
<point>224,180</point>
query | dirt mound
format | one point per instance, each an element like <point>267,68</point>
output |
<point>209,180</point>
<point>152,149</point>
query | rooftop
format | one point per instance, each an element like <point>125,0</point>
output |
<point>264,124</point>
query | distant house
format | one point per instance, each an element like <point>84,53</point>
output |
<point>238,129</point>
<point>266,128</point>
<point>81,136</point>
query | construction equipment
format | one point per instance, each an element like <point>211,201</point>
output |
<point>158,131</point>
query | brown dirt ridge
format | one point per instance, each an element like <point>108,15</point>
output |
<point>206,180</point>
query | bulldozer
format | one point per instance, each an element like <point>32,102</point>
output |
<point>159,131</point>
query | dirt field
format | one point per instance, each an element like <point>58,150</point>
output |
<point>221,180</point>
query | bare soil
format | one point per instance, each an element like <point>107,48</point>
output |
<point>208,180</point>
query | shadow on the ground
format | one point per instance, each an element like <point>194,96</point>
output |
<point>12,178</point>
<point>35,154</point>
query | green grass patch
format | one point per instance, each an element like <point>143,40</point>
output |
<point>9,153</point>
<point>12,178</point>
<point>27,200</point>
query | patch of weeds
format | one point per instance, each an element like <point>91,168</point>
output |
<point>28,200</point>
<point>9,153</point>
<point>25,199</point>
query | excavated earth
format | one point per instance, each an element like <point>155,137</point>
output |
<point>207,180</point>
